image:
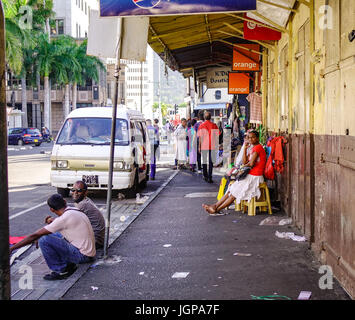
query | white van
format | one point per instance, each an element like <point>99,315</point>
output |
<point>82,151</point>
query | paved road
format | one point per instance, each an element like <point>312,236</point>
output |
<point>29,189</point>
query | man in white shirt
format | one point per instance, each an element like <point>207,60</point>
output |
<point>66,241</point>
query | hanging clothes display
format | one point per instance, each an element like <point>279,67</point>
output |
<point>255,101</point>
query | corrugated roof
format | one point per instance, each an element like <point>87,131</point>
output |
<point>188,42</point>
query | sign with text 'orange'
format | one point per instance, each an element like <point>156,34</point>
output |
<point>245,60</point>
<point>238,83</point>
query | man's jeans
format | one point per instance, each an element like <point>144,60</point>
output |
<point>58,252</point>
<point>208,157</point>
<point>154,164</point>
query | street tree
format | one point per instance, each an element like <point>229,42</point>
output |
<point>90,67</point>
<point>67,67</point>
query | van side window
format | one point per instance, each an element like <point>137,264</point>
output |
<point>143,131</point>
<point>138,132</point>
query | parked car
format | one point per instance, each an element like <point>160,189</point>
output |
<point>21,136</point>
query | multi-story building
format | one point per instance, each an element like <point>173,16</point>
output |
<point>110,89</point>
<point>140,84</point>
<point>71,18</point>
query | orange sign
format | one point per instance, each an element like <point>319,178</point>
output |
<point>245,60</point>
<point>238,83</point>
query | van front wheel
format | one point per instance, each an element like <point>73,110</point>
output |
<point>131,193</point>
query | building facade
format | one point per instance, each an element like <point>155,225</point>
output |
<point>140,84</point>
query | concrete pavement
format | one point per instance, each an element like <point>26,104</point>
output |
<point>175,251</point>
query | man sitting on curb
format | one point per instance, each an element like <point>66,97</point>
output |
<point>86,205</point>
<point>62,251</point>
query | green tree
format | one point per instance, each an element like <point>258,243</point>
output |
<point>20,38</point>
<point>90,67</point>
<point>66,66</point>
<point>45,55</point>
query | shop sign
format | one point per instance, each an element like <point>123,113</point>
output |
<point>253,31</point>
<point>217,77</point>
<point>238,83</point>
<point>245,60</point>
<point>124,8</point>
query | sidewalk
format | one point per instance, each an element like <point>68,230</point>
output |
<point>175,251</point>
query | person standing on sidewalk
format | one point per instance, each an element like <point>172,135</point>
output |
<point>208,133</point>
<point>181,143</point>
<point>156,140</point>
<point>86,205</point>
<point>153,133</point>
<point>65,242</point>
<point>192,147</point>
<point>197,125</point>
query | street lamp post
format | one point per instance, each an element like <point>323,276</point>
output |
<point>5,289</point>
<point>159,88</point>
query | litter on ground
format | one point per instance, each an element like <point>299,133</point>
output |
<point>304,295</point>
<point>242,254</point>
<point>179,275</point>
<point>290,235</point>
<point>275,221</point>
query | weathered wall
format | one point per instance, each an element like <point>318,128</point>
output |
<point>317,114</point>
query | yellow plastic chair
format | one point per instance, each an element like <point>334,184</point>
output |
<point>264,202</point>
<point>221,188</point>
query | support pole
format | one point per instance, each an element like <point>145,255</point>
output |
<point>264,88</point>
<point>112,145</point>
<point>311,122</point>
<point>5,287</point>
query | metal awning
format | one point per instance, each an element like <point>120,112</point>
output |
<point>210,106</point>
<point>191,42</point>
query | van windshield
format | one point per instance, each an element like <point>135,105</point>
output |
<point>93,131</point>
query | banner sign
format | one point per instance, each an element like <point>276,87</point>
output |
<point>126,8</point>
<point>253,31</point>
<point>238,83</point>
<point>104,34</point>
<point>245,60</point>
<point>217,77</point>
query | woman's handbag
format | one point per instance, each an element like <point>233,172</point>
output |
<point>242,173</point>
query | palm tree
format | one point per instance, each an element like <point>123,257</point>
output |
<point>15,37</point>
<point>67,66</point>
<point>44,57</point>
<point>90,67</point>
<point>20,41</point>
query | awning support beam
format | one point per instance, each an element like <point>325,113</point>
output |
<point>271,22</point>
<point>278,5</point>
<point>306,3</point>
<point>166,49</point>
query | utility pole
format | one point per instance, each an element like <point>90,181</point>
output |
<point>160,113</point>
<point>113,135</point>
<point>5,288</point>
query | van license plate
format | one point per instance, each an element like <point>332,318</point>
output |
<point>36,140</point>
<point>91,179</point>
